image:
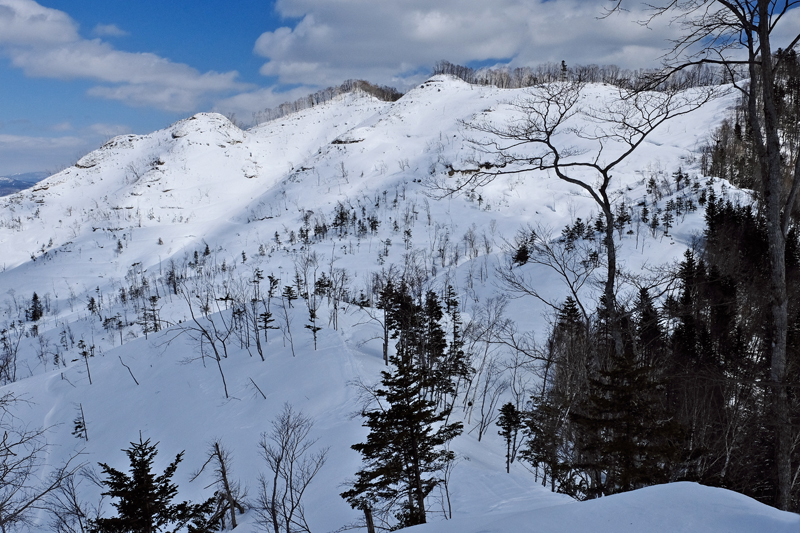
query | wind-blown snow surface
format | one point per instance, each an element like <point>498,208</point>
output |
<point>140,204</point>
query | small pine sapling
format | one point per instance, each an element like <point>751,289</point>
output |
<point>312,317</point>
<point>80,430</point>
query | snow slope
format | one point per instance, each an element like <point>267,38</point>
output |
<point>677,507</point>
<point>139,206</point>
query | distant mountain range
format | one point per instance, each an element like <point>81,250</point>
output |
<point>18,182</point>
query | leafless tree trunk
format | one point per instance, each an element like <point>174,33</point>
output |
<point>491,388</point>
<point>368,519</point>
<point>229,494</point>
<point>10,339</point>
<point>287,324</point>
<point>205,330</point>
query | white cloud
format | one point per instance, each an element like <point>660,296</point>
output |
<point>23,142</point>
<point>44,42</point>
<point>167,97</point>
<point>29,153</point>
<point>787,31</point>
<point>61,126</point>
<point>386,42</point>
<point>108,130</point>
<point>109,30</point>
<point>20,153</point>
<point>26,23</point>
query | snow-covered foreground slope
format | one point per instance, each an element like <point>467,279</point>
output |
<point>677,507</point>
<point>210,205</point>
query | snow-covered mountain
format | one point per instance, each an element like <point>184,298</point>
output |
<point>341,188</point>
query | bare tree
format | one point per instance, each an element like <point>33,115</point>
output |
<point>738,36</point>
<point>229,495</point>
<point>286,303</point>
<point>574,262</point>
<point>490,388</point>
<point>68,513</point>
<point>381,285</point>
<point>206,331</point>
<point>10,339</point>
<point>22,458</point>
<point>293,466</point>
<point>556,128</point>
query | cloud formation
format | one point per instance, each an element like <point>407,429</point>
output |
<point>53,149</point>
<point>22,153</point>
<point>109,30</point>
<point>45,42</point>
<point>392,42</point>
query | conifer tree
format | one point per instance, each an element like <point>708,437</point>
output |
<point>312,326</point>
<point>386,298</point>
<point>36,311</point>
<point>266,323</point>
<point>455,366</point>
<point>405,451</point>
<point>546,429</point>
<point>144,500</point>
<point>510,422</point>
<point>552,442</point>
<point>290,294</point>
<point>631,441</point>
<point>649,335</point>
<point>432,346</point>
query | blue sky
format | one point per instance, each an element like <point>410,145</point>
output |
<point>74,73</point>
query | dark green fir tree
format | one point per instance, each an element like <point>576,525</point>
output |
<point>510,422</point>
<point>143,500</point>
<point>630,441</point>
<point>405,452</point>
<point>36,311</point>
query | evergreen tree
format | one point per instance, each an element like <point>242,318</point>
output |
<point>405,449</point>
<point>386,298</point>
<point>36,311</point>
<point>144,500</point>
<point>420,335</point>
<point>510,422</point>
<point>547,431</point>
<point>290,294</point>
<point>686,336</point>
<point>521,255</point>
<point>173,278</point>
<point>630,440</point>
<point>711,369</point>
<point>553,444</point>
<point>432,346</point>
<point>455,366</point>
<point>649,335</point>
<point>266,321</point>
<point>668,220</point>
<point>312,326</point>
